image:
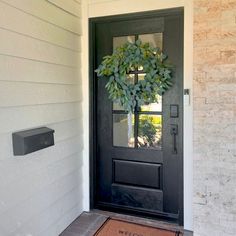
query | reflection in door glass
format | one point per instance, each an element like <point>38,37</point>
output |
<point>155,106</point>
<point>141,76</point>
<point>155,40</point>
<point>119,41</point>
<point>150,131</point>
<point>123,130</point>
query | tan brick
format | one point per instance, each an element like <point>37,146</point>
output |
<point>200,76</point>
<point>228,57</point>
<point>228,5</point>
<point>214,111</point>
<point>200,35</point>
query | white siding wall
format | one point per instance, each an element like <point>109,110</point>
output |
<point>40,193</point>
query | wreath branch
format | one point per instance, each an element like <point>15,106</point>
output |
<point>128,58</point>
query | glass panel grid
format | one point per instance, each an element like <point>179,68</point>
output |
<point>143,129</point>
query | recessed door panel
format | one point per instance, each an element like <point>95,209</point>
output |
<point>137,173</point>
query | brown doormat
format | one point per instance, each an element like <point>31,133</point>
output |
<point>113,227</point>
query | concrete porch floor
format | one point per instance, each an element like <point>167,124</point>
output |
<point>89,222</point>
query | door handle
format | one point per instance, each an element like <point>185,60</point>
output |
<point>174,132</point>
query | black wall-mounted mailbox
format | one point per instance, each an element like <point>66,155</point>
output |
<point>32,140</point>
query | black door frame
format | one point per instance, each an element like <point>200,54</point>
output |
<point>92,103</point>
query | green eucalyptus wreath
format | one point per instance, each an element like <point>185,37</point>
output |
<point>125,60</point>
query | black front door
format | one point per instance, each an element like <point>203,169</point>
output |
<point>138,158</point>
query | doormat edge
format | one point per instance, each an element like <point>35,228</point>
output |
<point>101,227</point>
<point>177,232</point>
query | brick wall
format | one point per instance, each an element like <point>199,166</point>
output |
<point>214,117</point>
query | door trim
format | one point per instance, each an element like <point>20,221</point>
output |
<point>92,105</point>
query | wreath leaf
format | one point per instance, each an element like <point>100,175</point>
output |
<point>128,58</point>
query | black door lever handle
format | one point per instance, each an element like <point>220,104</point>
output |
<point>174,132</point>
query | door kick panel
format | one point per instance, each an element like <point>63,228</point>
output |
<point>137,173</point>
<point>137,197</point>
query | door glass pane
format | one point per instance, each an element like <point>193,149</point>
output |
<point>150,131</point>
<point>116,106</point>
<point>155,40</point>
<point>156,106</point>
<point>123,130</point>
<point>141,76</point>
<point>119,41</point>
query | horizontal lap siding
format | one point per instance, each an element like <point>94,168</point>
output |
<point>35,27</point>
<point>68,6</point>
<point>62,222</point>
<point>47,12</point>
<point>64,130</point>
<point>29,94</point>
<point>45,179</point>
<point>35,71</point>
<point>14,44</point>
<point>40,85</point>
<point>36,115</point>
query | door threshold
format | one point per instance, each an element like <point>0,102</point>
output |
<point>140,220</point>
<point>89,222</point>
